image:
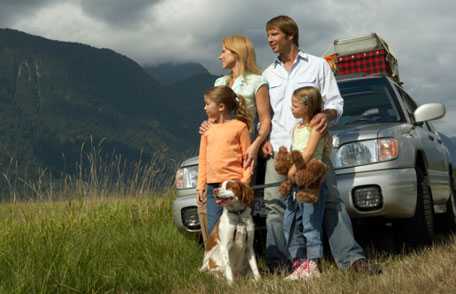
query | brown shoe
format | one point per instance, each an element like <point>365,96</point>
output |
<point>363,266</point>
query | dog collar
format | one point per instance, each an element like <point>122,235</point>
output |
<point>238,212</point>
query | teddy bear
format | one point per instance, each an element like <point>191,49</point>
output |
<point>307,178</point>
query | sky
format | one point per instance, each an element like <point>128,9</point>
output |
<point>419,32</point>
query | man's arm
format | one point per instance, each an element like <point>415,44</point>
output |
<point>333,101</point>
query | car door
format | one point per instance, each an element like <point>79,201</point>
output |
<point>428,142</point>
<point>443,163</point>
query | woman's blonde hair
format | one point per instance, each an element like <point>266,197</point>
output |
<point>243,48</point>
<point>235,104</point>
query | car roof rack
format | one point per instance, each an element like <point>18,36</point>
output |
<point>366,76</point>
<point>359,75</point>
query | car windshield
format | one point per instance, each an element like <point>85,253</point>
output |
<point>367,101</point>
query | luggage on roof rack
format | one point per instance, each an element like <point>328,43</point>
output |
<point>367,54</point>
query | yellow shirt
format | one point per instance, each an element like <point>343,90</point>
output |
<point>301,137</point>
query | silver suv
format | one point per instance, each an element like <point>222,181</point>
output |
<point>390,162</point>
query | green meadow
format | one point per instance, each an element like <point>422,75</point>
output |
<point>130,245</point>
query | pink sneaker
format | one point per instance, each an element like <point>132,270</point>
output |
<point>303,269</point>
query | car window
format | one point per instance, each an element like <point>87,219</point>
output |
<point>410,105</point>
<point>366,102</point>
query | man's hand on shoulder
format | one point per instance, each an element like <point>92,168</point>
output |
<point>321,120</point>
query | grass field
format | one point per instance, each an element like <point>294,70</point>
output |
<point>130,245</point>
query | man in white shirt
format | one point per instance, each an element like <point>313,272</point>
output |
<point>293,69</point>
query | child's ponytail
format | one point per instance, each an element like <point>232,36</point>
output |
<point>242,113</point>
<point>235,104</point>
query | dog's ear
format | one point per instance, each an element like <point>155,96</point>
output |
<point>247,194</point>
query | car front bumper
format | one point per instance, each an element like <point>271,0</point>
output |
<point>185,213</point>
<point>397,189</point>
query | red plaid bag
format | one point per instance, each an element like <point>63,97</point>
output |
<point>376,61</point>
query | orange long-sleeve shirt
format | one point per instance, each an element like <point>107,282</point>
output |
<point>221,153</point>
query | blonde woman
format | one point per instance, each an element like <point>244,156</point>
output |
<point>238,56</point>
<point>245,79</point>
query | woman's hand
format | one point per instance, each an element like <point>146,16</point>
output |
<point>250,157</point>
<point>205,126</point>
<point>201,199</point>
<point>267,149</point>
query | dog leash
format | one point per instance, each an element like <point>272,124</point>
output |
<point>257,187</point>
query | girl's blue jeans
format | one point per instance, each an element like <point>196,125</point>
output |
<point>213,210</point>
<point>302,225</point>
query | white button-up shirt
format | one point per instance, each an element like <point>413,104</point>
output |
<point>307,70</point>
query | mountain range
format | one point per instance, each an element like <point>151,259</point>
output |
<point>56,96</point>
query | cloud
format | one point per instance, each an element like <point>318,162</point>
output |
<point>419,32</point>
<point>118,13</point>
<point>10,10</point>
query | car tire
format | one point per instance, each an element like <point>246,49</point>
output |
<point>419,229</point>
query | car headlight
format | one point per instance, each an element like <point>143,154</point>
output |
<point>187,177</point>
<point>366,152</point>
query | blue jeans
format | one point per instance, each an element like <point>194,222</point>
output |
<point>337,223</point>
<point>214,211</point>
<point>302,226</point>
<point>338,226</point>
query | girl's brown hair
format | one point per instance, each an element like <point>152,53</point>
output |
<point>235,104</point>
<point>312,97</point>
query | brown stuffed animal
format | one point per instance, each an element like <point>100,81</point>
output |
<point>307,177</point>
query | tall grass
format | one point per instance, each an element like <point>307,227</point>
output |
<point>130,245</point>
<point>94,246</point>
<point>97,173</point>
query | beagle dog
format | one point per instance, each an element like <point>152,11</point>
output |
<point>229,249</point>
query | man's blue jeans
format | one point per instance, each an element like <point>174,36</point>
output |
<point>303,225</point>
<point>337,223</point>
<point>338,226</point>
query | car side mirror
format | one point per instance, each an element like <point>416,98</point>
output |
<point>429,111</point>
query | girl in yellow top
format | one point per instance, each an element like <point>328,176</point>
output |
<point>303,221</point>
<point>222,149</point>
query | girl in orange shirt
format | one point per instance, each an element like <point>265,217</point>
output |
<point>222,149</point>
